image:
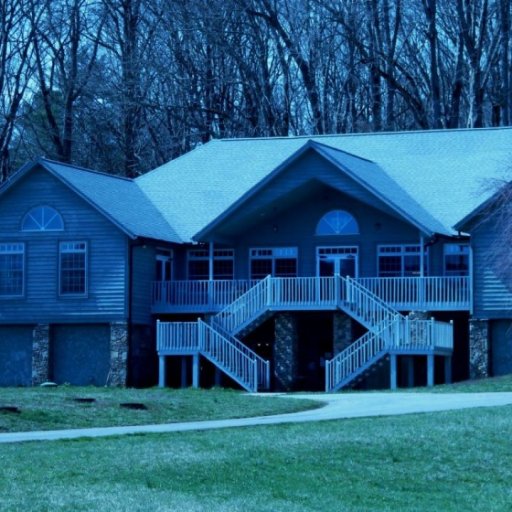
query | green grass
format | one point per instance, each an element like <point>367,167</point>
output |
<point>55,408</point>
<point>448,461</point>
<point>492,384</point>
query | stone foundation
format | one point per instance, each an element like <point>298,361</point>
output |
<point>478,348</point>
<point>341,332</point>
<point>118,354</point>
<point>285,351</point>
<point>40,354</point>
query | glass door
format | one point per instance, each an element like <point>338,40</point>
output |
<point>341,261</point>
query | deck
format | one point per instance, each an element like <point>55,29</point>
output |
<point>313,293</point>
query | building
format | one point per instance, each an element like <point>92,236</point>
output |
<point>278,263</point>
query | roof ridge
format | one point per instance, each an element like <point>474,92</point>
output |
<point>339,150</point>
<point>84,169</point>
<point>366,134</point>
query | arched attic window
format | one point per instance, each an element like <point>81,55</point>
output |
<point>42,218</point>
<point>337,222</point>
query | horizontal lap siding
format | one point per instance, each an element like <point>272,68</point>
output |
<point>297,224</point>
<point>107,253</point>
<point>143,265</point>
<point>492,291</point>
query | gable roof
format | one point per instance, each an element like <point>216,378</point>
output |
<point>365,172</point>
<point>442,173</point>
<point>119,199</point>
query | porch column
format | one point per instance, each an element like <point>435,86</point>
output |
<point>341,332</point>
<point>40,354</point>
<point>195,371</point>
<point>392,371</point>
<point>285,350</point>
<point>210,261</point>
<point>161,371</point>
<point>430,370</point>
<point>478,348</point>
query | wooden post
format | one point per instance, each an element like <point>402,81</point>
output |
<point>161,371</point>
<point>184,372</point>
<point>210,273</point>
<point>430,370</point>
<point>448,370</point>
<point>392,371</point>
<point>195,371</point>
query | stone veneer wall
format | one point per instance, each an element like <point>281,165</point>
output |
<point>285,350</point>
<point>118,354</point>
<point>341,332</point>
<point>40,354</point>
<point>478,348</point>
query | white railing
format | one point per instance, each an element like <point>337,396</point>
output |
<point>197,295</point>
<point>263,366</point>
<point>403,293</point>
<point>177,337</point>
<point>247,307</point>
<point>235,362</point>
<point>364,305</point>
<point>422,293</point>
<point>354,359</point>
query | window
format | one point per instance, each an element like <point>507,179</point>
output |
<point>277,262</point>
<point>73,268</point>
<point>12,264</point>
<point>42,218</point>
<point>337,222</point>
<point>456,259</point>
<point>163,265</point>
<point>199,264</point>
<point>400,260</point>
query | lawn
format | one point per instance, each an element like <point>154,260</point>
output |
<point>447,461</point>
<point>74,407</point>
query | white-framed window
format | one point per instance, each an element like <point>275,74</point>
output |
<point>274,261</point>
<point>401,260</point>
<point>198,264</point>
<point>12,267</point>
<point>456,259</point>
<point>337,222</point>
<point>163,268</point>
<point>42,218</point>
<point>73,268</point>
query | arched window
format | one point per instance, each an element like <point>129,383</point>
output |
<point>42,218</point>
<point>337,222</point>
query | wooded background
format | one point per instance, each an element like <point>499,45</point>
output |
<point>125,85</point>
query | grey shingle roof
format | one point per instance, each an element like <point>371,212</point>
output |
<point>120,199</point>
<point>442,173</point>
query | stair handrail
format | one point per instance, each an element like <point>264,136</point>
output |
<point>262,364</point>
<point>228,357</point>
<point>336,369</point>
<point>229,317</point>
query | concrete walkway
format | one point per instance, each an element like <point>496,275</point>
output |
<point>337,407</point>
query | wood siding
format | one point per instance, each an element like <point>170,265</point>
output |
<point>107,256</point>
<point>492,294</point>
<point>143,272</point>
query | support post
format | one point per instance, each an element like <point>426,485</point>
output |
<point>195,371</point>
<point>184,372</point>
<point>161,371</point>
<point>430,370</point>
<point>421,288</point>
<point>392,371</point>
<point>448,370</point>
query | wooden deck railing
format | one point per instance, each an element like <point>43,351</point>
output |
<point>402,293</point>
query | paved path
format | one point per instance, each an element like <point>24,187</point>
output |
<point>337,407</point>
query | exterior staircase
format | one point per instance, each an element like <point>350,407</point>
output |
<point>217,340</point>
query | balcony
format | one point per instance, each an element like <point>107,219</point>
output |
<point>401,293</point>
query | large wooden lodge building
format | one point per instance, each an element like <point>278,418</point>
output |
<point>316,263</point>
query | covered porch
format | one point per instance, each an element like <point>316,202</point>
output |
<point>428,293</point>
